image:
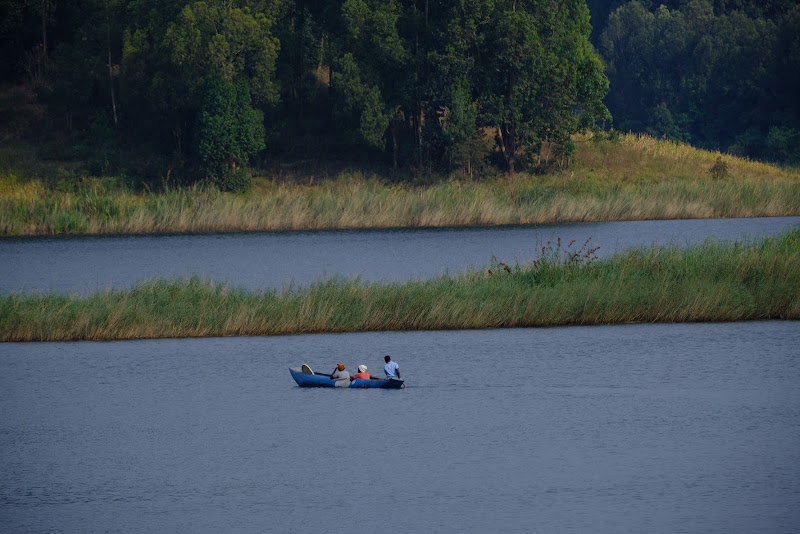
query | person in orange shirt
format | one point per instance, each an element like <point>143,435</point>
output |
<point>362,373</point>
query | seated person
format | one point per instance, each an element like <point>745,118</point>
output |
<point>362,373</point>
<point>391,368</point>
<point>339,373</point>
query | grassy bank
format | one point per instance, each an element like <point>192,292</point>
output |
<point>634,178</point>
<point>707,282</point>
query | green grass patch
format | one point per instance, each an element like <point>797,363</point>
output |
<point>567,285</point>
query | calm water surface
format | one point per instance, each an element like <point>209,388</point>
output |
<point>613,429</point>
<point>261,260</point>
<point>637,428</point>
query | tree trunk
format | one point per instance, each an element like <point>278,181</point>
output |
<point>44,27</point>
<point>110,64</point>
<point>321,50</point>
<point>507,146</point>
<point>178,135</point>
<point>395,143</point>
<point>111,83</point>
<point>419,134</point>
<point>507,130</point>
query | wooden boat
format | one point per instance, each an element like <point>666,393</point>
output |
<point>306,378</point>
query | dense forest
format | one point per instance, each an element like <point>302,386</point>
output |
<point>206,89</point>
<point>721,74</point>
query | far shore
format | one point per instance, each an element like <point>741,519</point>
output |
<point>633,178</point>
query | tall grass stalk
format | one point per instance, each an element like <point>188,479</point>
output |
<point>707,282</point>
<point>634,179</point>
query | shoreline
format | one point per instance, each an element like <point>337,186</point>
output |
<point>636,178</point>
<point>709,282</point>
<point>371,207</point>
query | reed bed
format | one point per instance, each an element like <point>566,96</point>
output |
<point>636,178</point>
<point>707,282</point>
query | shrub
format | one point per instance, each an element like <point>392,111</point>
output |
<point>719,171</point>
<point>230,131</point>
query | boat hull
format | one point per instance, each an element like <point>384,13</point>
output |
<point>306,380</point>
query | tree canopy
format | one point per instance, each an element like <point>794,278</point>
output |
<point>427,85</point>
<point>721,75</point>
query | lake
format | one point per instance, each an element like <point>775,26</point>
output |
<point>270,259</point>
<point>659,428</point>
<point>634,428</point>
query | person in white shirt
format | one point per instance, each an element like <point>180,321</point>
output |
<point>391,368</point>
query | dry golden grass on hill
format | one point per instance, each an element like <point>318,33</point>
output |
<point>633,178</point>
<point>641,158</point>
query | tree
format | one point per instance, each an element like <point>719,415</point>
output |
<point>540,79</point>
<point>371,84</point>
<point>360,109</point>
<point>168,63</point>
<point>706,73</point>
<point>83,71</point>
<point>447,41</point>
<point>229,131</point>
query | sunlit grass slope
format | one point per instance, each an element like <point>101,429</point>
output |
<point>707,282</point>
<point>633,178</point>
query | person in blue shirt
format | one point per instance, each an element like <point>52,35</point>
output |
<point>391,368</point>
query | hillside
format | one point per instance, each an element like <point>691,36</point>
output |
<point>610,177</point>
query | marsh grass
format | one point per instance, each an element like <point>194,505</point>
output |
<point>635,178</point>
<point>566,285</point>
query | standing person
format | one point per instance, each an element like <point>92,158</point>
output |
<point>341,376</point>
<point>391,368</point>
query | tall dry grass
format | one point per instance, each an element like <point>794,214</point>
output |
<point>633,179</point>
<point>707,282</point>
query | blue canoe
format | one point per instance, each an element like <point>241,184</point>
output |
<point>308,380</point>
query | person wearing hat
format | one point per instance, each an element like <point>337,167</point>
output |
<point>362,373</point>
<point>341,376</point>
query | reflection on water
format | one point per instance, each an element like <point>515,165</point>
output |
<point>261,260</point>
<point>635,428</point>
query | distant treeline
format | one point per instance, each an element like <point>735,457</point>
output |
<point>420,84</point>
<point>721,74</point>
<point>204,88</point>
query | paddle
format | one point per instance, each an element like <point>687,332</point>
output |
<point>307,370</point>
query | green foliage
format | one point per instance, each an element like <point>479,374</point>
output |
<point>217,39</point>
<point>361,106</point>
<point>203,73</point>
<point>434,87</point>
<point>558,261</point>
<point>365,77</point>
<point>98,147</point>
<point>783,144</point>
<point>706,282</point>
<point>719,171</point>
<point>229,132</point>
<point>368,85</point>
<point>73,81</point>
<point>718,74</point>
<point>541,79</point>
